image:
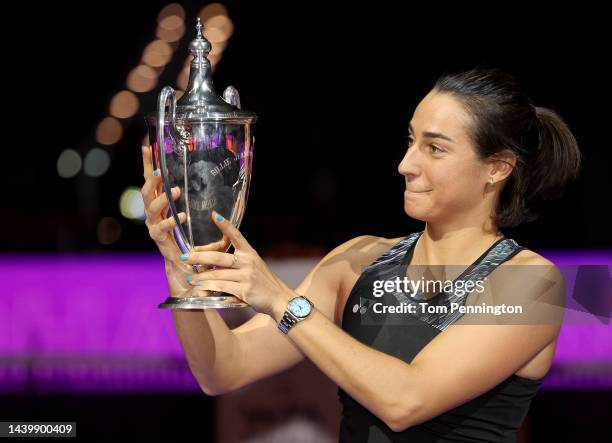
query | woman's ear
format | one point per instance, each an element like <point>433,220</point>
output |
<point>501,165</point>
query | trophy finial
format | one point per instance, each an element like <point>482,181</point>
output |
<point>200,46</point>
<point>200,100</point>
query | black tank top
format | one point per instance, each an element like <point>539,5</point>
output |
<point>494,416</point>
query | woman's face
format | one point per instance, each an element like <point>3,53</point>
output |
<point>444,178</point>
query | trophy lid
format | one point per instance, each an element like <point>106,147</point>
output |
<point>200,102</point>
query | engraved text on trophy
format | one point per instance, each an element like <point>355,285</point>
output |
<point>208,185</point>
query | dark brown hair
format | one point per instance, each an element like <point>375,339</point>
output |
<point>504,118</point>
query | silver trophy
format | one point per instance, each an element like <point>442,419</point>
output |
<point>204,145</point>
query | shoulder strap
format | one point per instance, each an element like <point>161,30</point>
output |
<point>501,252</point>
<point>395,255</point>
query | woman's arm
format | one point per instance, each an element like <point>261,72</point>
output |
<point>209,345</point>
<point>223,360</point>
<point>459,364</point>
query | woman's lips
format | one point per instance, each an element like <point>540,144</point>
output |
<point>408,191</point>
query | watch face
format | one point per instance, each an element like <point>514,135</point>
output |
<point>300,307</point>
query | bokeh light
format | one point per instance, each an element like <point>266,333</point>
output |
<point>212,10</point>
<point>124,104</point>
<point>109,231</point>
<point>157,54</point>
<point>131,204</point>
<point>171,23</point>
<point>97,161</point>
<point>109,131</point>
<point>68,163</point>
<point>171,10</point>
<point>171,34</point>
<point>218,28</point>
<point>142,78</point>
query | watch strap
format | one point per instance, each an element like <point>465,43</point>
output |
<point>287,322</point>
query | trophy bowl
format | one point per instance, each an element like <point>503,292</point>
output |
<point>202,143</point>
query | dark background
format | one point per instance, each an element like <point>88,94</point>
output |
<point>569,416</point>
<point>334,88</point>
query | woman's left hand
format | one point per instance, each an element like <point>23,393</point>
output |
<point>246,275</point>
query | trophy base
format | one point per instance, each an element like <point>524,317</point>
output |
<point>218,301</point>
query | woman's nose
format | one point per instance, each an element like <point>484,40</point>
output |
<point>409,164</point>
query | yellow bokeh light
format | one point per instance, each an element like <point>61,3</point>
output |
<point>157,53</point>
<point>124,104</point>
<point>212,10</point>
<point>109,131</point>
<point>142,78</point>
<point>131,204</point>
<point>170,35</point>
<point>173,9</point>
<point>219,27</point>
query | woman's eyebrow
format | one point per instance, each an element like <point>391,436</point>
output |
<point>432,134</point>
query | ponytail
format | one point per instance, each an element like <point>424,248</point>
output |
<point>548,156</point>
<point>557,159</point>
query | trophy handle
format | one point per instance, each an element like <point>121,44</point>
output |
<point>231,96</point>
<point>165,94</point>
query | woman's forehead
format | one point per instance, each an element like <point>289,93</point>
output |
<point>440,113</point>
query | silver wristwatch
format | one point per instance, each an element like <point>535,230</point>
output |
<point>298,309</point>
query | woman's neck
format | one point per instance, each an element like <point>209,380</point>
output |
<point>453,246</point>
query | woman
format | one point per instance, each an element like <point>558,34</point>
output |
<point>478,155</point>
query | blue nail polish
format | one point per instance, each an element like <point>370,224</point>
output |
<point>156,172</point>
<point>184,257</point>
<point>198,283</point>
<point>189,277</point>
<point>219,217</point>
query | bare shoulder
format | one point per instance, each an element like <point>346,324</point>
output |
<point>349,259</point>
<point>531,263</point>
<point>534,277</point>
<point>362,250</point>
<point>529,257</point>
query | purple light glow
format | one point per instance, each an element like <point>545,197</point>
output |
<point>90,322</point>
<point>85,304</point>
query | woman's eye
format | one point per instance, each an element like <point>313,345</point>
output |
<point>409,141</point>
<point>435,150</point>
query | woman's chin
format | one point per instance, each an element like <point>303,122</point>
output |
<point>413,212</point>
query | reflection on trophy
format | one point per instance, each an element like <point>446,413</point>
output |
<point>204,145</point>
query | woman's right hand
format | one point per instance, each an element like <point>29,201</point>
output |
<point>156,207</point>
<point>160,228</point>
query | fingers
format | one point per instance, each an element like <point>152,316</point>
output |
<point>229,230</point>
<point>152,185</point>
<point>214,274</point>
<point>159,231</point>
<point>151,189</point>
<point>209,258</point>
<point>179,266</point>
<point>159,204</point>
<point>229,287</point>
<point>148,192</point>
<point>147,161</point>
<point>220,245</point>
